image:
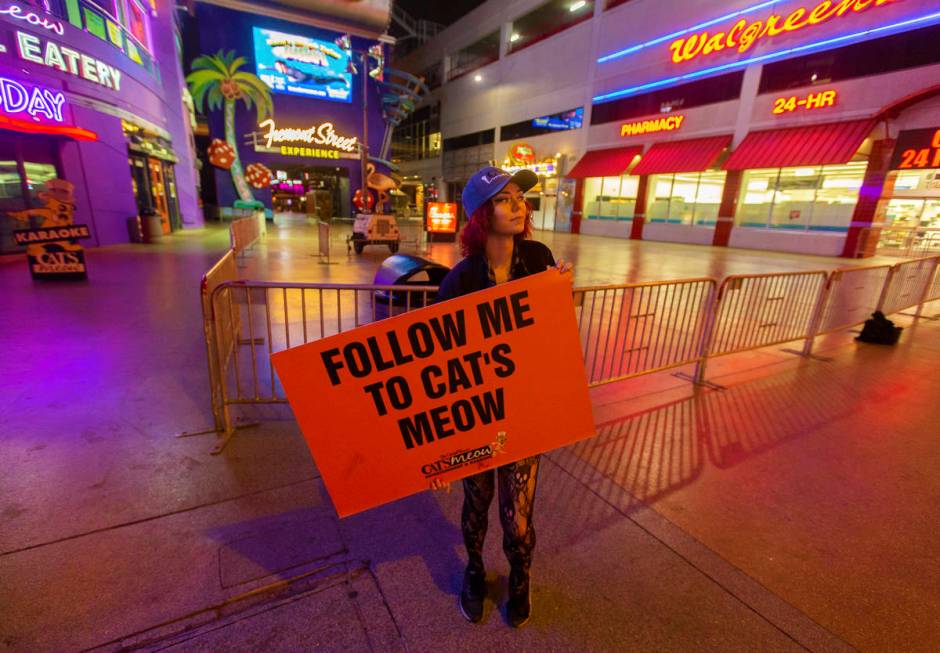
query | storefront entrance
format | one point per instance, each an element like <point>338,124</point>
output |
<point>155,189</point>
<point>317,192</point>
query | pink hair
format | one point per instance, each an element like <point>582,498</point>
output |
<point>474,233</point>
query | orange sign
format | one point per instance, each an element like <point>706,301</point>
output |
<point>811,102</point>
<point>917,149</point>
<point>744,34</point>
<point>442,218</point>
<point>442,392</point>
<point>521,154</point>
<point>656,125</point>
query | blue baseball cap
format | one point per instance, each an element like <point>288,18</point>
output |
<point>486,182</point>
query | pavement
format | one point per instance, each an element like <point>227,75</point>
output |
<point>793,510</point>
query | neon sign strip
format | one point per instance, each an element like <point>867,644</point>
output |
<point>663,39</point>
<point>856,36</point>
<point>27,127</point>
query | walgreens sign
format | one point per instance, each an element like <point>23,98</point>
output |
<point>745,33</point>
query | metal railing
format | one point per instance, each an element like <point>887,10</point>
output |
<point>625,330</point>
<point>633,329</point>
<point>243,233</point>
<point>266,317</point>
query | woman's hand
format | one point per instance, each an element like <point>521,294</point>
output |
<point>566,269</point>
<point>437,485</point>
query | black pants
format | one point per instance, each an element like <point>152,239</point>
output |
<point>516,499</point>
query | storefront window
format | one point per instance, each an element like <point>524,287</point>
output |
<point>138,24</point>
<point>686,197</point>
<point>610,198</point>
<point>37,174</point>
<point>21,180</point>
<point>820,198</point>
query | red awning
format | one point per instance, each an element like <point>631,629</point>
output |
<point>836,142</point>
<point>605,163</point>
<point>693,155</point>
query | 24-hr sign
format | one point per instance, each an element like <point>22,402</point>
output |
<point>444,392</point>
<point>917,149</point>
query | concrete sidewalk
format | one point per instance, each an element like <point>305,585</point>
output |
<point>793,510</point>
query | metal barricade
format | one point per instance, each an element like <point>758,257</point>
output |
<point>243,233</point>
<point>323,241</point>
<point>264,318</point>
<point>852,295</point>
<point>908,285</point>
<point>633,329</point>
<point>762,310</point>
<point>413,235</point>
<point>218,334</point>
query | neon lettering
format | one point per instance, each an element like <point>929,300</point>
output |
<point>744,35</point>
<point>655,125</point>
<point>323,134</point>
<point>15,11</point>
<point>28,47</point>
<point>53,58</point>
<point>32,48</point>
<point>36,101</point>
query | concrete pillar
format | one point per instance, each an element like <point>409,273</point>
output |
<point>864,231</point>
<point>577,206</point>
<point>727,208</point>
<point>505,31</point>
<point>639,209</point>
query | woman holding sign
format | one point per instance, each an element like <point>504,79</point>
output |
<point>496,249</point>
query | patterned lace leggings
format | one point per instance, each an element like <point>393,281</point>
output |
<point>516,499</point>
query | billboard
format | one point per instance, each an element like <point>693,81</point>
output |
<point>301,65</point>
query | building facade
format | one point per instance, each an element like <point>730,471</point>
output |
<point>797,125</point>
<point>298,138</point>
<point>92,93</point>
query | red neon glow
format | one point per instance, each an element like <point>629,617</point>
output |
<point>442,217</point>
<point>743,35</point>
<point>811,102</point>
<point>15,124</point>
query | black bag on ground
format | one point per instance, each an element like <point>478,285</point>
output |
<point>879,330</point>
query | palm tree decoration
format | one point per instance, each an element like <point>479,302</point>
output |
<point>215,81</point>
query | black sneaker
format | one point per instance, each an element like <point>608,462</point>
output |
<point>519,607</point>
<point>472,595</point>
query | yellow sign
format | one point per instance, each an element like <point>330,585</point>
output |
<point>813,101</point>
<point>323,134</point>
<point>648,126</point>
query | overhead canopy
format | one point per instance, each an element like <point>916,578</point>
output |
<point>692,155</point>
<point>828,144</point>
<point>612,162</point>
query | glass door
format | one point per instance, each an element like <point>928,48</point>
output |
<point>929,232</point>
<point>158,192</point>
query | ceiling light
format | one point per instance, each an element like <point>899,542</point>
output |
<point>578,5</point>
<point>478,78</point>
<point>514,37</point>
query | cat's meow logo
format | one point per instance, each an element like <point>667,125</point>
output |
<point>462,458</point>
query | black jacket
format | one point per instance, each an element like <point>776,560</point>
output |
<point>473,273</point>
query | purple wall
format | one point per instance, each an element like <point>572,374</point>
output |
<point>100,170</point>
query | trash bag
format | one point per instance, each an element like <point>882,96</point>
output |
<point>879,330</point>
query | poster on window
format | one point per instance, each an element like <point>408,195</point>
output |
<point>300,65</point>
<point>50,236</point>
